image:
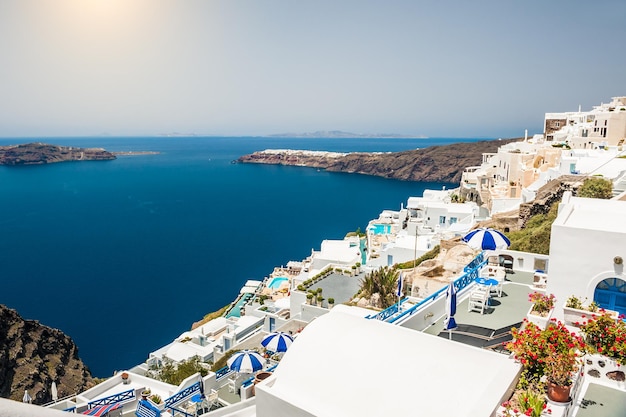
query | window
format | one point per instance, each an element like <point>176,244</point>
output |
<point>611,294</point>
<point>442,219</point>
<point>541,265</point>
<point>453,220</point>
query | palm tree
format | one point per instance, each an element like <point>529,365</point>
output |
<point>383,282</point>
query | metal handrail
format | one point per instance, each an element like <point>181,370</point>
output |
<point>113,399</point>
<point>470,273</point>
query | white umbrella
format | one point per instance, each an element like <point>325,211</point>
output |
<point>277,342</point>
<point>27,398</point>
<point>53,390</point>
<point>485,238</point>
<point>246,361</point>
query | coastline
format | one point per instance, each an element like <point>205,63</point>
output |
<point>135,153</point>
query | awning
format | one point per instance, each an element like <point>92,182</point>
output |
<point>102,410</point>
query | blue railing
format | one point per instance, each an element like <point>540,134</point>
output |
<point>388,312</point>
<point>247,382</point>
<point>479,259</point>
<point>183,395</point>
<point>222,372</point>
<point>113,399</point>
<point>471,272</point>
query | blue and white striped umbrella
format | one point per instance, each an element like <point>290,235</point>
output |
<point>277,342</point>
<point>450,323</point>
<point>400,285</point>
<point>247,361</point>
<point>485,238</point>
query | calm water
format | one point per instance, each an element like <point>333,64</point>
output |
<point>124,255</point>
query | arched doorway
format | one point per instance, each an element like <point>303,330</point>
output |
<point>611,295</point>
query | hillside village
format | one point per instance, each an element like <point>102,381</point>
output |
<point>354,351</point>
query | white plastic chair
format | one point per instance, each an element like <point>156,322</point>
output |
<point>499,276</point>
<point>232,384</point>
<point>212,398</point>
<point>479,300</point>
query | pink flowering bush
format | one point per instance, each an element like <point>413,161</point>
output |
<point>542,303</point>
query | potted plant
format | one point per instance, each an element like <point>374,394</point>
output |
<point>606,336</point>
<point>125,378</point>
<point>575,312</point>
<point>551,354</point>
<point>542,308</point>
<point>309,298</point>
<point>331,302</point>
<point>526,403</point>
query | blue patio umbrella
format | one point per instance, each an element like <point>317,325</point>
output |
<point>277,342</point>
<point>486,238</point>
<point>449,324</point>
<point>400,285</point>
<point>246,361</point>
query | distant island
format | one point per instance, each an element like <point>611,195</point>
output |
<point>433,164</point>
<point>42,153</point>
<point>340,134</point>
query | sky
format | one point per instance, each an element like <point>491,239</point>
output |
<point>257,67</point>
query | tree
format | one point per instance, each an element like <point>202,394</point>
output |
<point>175,373</point>
<point>383,282</point>
<point>596,187</point>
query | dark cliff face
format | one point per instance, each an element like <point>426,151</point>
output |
<point>434,164</point>
<point>41,153</point>
<point>33,355</point>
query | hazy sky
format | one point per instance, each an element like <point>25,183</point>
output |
<point>253,67</point>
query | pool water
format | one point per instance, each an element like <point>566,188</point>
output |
<point>236,310</point>
<point>381,229</point>
<point>276,282</point>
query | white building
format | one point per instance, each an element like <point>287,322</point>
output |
<point>604,125</point>
<point>587,248</point>
<point>399,236</point>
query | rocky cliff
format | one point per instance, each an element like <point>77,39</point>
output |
<point>33,355</point>
<point>434,164</point>
<point>41,153</point>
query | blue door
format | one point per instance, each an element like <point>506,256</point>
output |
<point>611,295</point>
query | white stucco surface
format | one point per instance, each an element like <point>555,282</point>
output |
<point>342,365</point>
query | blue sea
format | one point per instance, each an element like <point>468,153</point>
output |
<point>125,255</point>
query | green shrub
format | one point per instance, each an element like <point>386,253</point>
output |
<point>174,375</point>
<point>428,255</point>
<point>596,187</point>
<point>222,362</point>
<point>535,236</point>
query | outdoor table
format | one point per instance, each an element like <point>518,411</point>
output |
<point>486,281</point>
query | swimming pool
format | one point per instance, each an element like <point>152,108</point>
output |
<point>236,310</point>
<point>276,282</point>
<point>380,229</point>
